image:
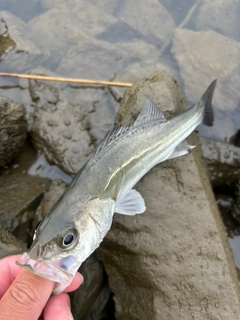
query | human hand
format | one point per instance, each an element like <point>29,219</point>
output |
<point>26,296</point>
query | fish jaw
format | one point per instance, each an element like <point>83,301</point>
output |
<point>51,270</point>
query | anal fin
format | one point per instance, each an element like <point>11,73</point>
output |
<point>182,149</point>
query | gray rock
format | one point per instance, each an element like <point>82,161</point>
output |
<point>13,129</point>
<point>90,300</point>
<point>223,162</point>
<point>160,87</point>
<point>20,196</point>
<point>201,59</point>
<point>18,52</point>
<point>55,191</point>
<point>61,124</point>
<point>211,15</point>
<point>138,71</point>
<point>170,263</point>
<point>102,119</point>
<point>9,245</point>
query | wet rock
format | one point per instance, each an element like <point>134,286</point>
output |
<point>55,191</point>
<point>90,300</point>
<point>20,196</point>
<point>223,162</point>
<point>60,129</point>
<point>9,245</point>
<point>138,71</point>
<point>13,129</point>
<point>102,119</point>
<point>170,263</point>
<point>211,15</point>
<point>18,52</point>
<point>201,59</point>
<point>160,87</point>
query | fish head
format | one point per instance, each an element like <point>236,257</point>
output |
<point>62,242</point>
<point>55,253</point>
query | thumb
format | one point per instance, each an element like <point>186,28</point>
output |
<point>26,297</point>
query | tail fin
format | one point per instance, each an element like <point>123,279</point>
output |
<point>206,103</point>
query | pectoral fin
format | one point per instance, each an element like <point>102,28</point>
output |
<point>130,204</point>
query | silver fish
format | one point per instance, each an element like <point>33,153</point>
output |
<point>78,222</point>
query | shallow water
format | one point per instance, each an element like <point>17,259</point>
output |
<point>116,39</point>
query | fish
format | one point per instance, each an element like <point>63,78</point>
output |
<point>81,218</point>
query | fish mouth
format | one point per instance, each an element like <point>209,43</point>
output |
<point>51,270</point>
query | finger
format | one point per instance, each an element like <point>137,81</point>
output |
<point>58,307</point>
<point>26,297</point>
<point>77,281</point>
<point>9,271</point>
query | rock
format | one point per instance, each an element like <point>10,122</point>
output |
<point>9,245</point>
<point>170,263</point>
<point>102,119</point>
<point>160,87</point>
<point>55,191</point>
<point>17,52</point>
<point>13,129</point>
<point>61,124</point>
<point>223,161</point>
<point>138,71</point>
<point>211,15</point>
<point>90,300</point>
<point>92,297</point>
<point>20,196</point>
<point>201,59</point>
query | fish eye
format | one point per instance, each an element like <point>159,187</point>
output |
<point>67,238</point>
<point>36,229</point>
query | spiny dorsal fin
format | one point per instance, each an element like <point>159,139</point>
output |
<point>149,112</point>
<point>111,135</point>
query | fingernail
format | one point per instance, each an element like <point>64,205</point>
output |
<point>69,313</point>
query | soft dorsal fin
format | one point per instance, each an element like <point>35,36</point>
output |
<point>149,112</point>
